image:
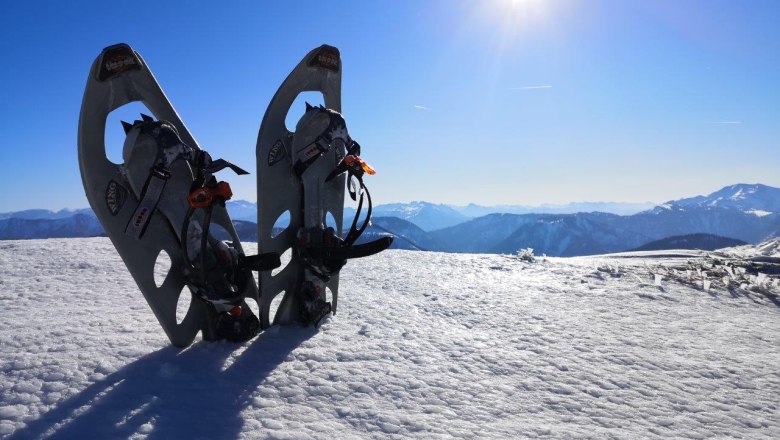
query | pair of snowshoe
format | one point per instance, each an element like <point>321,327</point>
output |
<point>165,197</point>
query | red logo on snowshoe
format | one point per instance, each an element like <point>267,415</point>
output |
<point>327,57</point>
<point>117,59</point>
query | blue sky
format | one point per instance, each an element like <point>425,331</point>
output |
<point>492,101</point>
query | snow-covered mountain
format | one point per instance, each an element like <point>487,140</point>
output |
<point>427,216</point>
<point>242,210</point>
<point>431,216</point>
<point>44,214</point>
<point>594,233</point>
<point>739,212</point>
<point>424,345</point>
<point>41,223</point>
<point>620,208</point>
<point>570,235</point>
<point>78,225</point>
<point>757,199</point>
<point>556,235</point>
<point>727,222</point>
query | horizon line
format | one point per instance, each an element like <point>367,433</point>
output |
<point>494,205</point>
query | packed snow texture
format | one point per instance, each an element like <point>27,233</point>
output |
<point>425,345</point>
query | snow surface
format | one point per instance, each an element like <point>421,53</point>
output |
<point>769,248</point>
<point>425,345</point>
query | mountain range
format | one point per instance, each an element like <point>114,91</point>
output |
<point>45,214</point>
<point>473,210</point>
<point>77,225</point>
<point>745,212</point>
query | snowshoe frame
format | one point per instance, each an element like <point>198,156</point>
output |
<point>119,76</point>
<point>319,71</point>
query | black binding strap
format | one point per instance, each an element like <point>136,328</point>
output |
<point>346,253</point>
<point>354,231</point>
<point>261,262</point>
<point>204,241</point>
<point>150,197</point>
<point>184,232</point>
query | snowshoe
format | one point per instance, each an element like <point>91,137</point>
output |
<point>309,169</point>
<point>165,197</point>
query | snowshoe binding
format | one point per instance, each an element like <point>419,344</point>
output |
<point>309,170</point>
<point>164,197</point>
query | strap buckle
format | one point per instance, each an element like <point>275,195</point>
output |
<point>205,196</point>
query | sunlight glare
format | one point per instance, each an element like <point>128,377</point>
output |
<point>509,20</point>
<point>519,13</point>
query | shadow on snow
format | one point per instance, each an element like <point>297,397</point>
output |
<point>181,393</point>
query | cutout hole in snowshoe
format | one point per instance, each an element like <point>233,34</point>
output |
<point>285,258</point>
<point>274,307</point>
<point>162,267</point>
<point>281,223</point>
<point>114,136</point>
<point>183,304</point>
<point>220,233</point>
<point>253,306</point>
<point>350,207</point>
<point>330,221</point>
<point>298,107</point>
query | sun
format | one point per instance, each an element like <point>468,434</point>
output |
<point>514,18</point>
<point>508,26</point>
<point>520,9</point>
<point>524,3</point>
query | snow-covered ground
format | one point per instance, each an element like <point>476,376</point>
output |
<point>425,345</point>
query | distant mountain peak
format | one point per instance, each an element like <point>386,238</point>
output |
<point>745,197</point>
<point>740,191</point>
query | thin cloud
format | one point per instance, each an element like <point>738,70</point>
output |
<point>727,122</point>
<point>421,107</point>
<point>532,87</point>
